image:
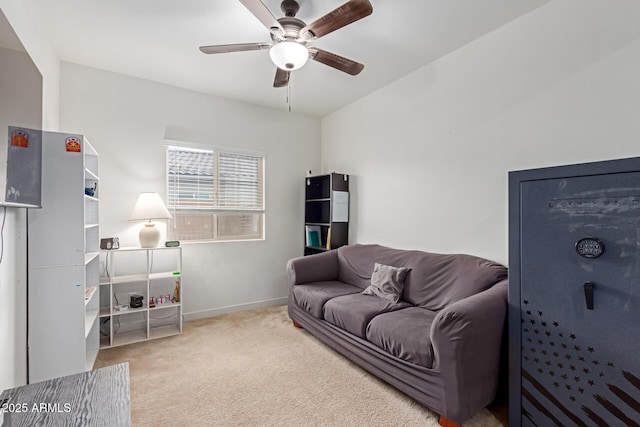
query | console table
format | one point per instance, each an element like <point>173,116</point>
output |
<point>94,398</point>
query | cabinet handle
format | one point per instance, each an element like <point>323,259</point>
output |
<point>588,294</point>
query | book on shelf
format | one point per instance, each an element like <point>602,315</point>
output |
<point>313,235</point>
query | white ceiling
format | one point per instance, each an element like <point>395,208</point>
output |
<point>158,40</point>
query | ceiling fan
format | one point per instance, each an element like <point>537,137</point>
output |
<point>290,35</point>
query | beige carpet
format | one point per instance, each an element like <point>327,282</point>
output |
<point>255,369</point>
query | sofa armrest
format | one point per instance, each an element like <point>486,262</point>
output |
<point>313,268</point>
<point>467,338</point>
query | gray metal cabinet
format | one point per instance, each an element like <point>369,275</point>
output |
<point>574,297</point>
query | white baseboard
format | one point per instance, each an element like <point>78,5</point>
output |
<point>233,309</point>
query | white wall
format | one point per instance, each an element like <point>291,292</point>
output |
<point>126,119</point>
<point>24,19</point>
<point>429,153</point>
<point>20,105</point>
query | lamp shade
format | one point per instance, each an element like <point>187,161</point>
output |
<point>289,55</point>
<point>149,206</point>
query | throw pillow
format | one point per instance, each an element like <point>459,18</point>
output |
<point>387,282</point>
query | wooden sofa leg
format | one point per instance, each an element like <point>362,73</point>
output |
<point>445,422</point>
<point>296,324</point>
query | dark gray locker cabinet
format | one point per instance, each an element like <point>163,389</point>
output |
<point>574,295</point>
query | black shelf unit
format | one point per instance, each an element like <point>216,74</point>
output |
<point>327,211</point>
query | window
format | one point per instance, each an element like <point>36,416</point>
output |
<point>214,195</point>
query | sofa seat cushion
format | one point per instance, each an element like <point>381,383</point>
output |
<point>405,334</point>
<point>312,297</point>
<point>353,312</point>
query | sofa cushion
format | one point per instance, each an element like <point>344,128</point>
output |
<point>405,334</point>
<point>387,282</point>
<point>442,280</point>
<point>435,280</point>
<point>353,312</point>
<point>312,297</point>
<point>356,262</point>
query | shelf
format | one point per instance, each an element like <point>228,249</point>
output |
<point>137,248</point>
<point>139,277</point>
<point>89,293</point>
<point>164,275</point>
<point>116,312</point>
<point>138,336</point>
<point>91,175</point>
<point>64,261</point>
<point>89,320</point>
<point>164,331</point>
<point>140,327</point>
<point>90,256</point>
<point>129,278</point>
<point>104,342</point>
<point>326,207</point>
<point>317,248</point>
<point>128,338</point>
<point>165,305</point>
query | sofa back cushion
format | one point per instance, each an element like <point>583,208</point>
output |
<point>435,280</point>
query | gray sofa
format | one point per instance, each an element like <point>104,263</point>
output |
<point>440,343</point>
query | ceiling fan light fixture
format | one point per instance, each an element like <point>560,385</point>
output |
<point>289,55</point>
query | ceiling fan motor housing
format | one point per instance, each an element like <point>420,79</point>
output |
<point>292,27</point>
<point>288,46</point>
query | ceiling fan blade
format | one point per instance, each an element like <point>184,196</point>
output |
<point>336,61</point>
<point>282,78</point>
<point>239,47</point>
<point>263,14</point>
<point>346,14</point>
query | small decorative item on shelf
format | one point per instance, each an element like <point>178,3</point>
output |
<point>176,292</point>
<point>135,300</point>
<point>161,299</point>
<point>91,191</point>
<point>110,243</point>
<point>313,235</point>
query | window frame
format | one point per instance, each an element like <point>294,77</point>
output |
<point>216,212</point>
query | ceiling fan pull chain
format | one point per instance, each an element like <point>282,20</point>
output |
<point>289,95</point>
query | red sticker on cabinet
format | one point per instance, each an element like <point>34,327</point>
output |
<point>73,144</point>
<point>19,138</point>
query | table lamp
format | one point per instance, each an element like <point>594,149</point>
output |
<point>149,206</point>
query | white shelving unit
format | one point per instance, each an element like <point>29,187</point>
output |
<point>153,273</point>
<point>64,261</point>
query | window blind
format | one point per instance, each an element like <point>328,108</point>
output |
<point>214,195</point>
<point>240,182</point>
<point>191,182</point>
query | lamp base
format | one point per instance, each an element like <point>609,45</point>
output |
<point>149,236</point>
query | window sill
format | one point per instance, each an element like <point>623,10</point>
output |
<point>189,242</point>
